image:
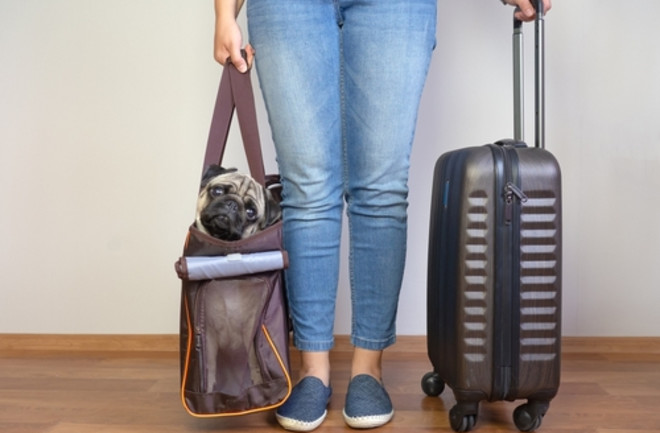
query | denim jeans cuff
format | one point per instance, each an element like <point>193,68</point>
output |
<point>313,346</point>
<point>370,344</point>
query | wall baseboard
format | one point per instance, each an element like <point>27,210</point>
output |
<point>90,342</point>
<point>170,343</point>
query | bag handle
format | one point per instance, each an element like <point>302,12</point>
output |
<point>235,93</point>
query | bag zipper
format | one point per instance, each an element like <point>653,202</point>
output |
<point>198,333</point>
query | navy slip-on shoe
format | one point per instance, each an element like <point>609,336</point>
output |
<point>306,407</point>
<point>367,403</point>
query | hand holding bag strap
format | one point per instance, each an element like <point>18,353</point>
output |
<point>235,92</point>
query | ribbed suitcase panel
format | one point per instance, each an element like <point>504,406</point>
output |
<point>540,276</point>
<point>476,274</point>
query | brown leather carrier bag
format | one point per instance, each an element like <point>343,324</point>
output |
<point>234,326</point>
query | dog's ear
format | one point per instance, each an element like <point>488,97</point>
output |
<point>213,171</point>
<point>273,210</point>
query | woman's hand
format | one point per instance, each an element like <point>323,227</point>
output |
<point>228,39</point>
<point>527,11</point>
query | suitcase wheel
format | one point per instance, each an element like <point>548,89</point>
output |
<point>432,385</point>
<point>528,416</point>
<point>463,417</point>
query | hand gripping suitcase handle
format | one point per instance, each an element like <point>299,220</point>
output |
<point>539,78</point>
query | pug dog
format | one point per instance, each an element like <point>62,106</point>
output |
<point>233,206</point>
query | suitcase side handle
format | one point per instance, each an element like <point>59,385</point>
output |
<point>539,78</point>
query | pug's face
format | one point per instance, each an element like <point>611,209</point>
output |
<point>233,206</point>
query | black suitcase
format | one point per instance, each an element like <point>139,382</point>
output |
<point>494,269</point>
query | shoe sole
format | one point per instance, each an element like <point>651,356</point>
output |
<point>297,425</point>
<point>371,421</point>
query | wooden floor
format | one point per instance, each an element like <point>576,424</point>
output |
<point>112,384</point>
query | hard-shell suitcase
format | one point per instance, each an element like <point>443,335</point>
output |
<point>494,269</point>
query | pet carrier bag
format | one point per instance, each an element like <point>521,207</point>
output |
<point>234,326</point>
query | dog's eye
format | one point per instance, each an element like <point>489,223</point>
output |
<point>216,191</point>
<point>251,213</point>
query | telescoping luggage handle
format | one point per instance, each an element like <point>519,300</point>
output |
<point>539,79</point>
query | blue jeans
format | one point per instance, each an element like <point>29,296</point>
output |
<point>342,80</point>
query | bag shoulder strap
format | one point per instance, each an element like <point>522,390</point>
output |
<point>235,93</point>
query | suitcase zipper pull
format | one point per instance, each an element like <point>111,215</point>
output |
<point>510,189</point>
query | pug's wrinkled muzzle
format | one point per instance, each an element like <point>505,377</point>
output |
<point>223,219</point>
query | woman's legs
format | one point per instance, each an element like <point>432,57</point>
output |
<point>342,81</point>
<point>386,48</point>
<point>297,44</point>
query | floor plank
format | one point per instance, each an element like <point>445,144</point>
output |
<point>49,384</point>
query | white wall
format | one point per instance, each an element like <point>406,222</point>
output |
<point>104,110</point>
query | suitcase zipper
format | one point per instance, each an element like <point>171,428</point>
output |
<point>511,190</point>
<point>506,304</point>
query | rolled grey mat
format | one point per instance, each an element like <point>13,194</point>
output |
<point>231,265</point>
